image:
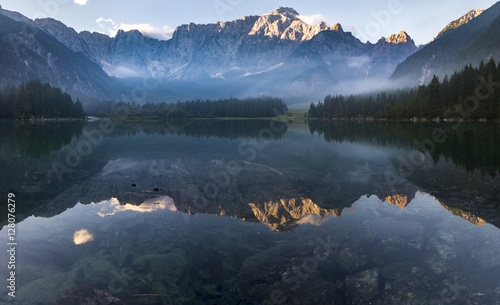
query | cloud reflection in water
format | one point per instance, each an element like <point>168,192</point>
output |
<point>82,237</point>
<point>113,206</point>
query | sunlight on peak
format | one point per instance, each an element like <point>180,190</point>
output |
<point>289,212</point>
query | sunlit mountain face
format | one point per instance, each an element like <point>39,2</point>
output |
<point>189,212</point>
<point>219,60</point>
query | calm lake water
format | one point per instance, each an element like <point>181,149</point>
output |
<point>252,212</point>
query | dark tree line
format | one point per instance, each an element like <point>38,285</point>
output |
<point>340,106</point>
<point>473,146</point>
<point>252,107</point>
<point>37,99</point>
<point>472,93</point>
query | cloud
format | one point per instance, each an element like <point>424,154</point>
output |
<point>313,19</point>
<point>148,30</point>
<point>108,25</point>
<point>81,2</point>
<point>82,237</point>
<point>168,31</point>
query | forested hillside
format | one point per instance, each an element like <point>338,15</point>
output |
<point>37,99</point>
<point>472,93</point>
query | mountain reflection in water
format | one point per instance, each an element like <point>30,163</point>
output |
<point>374,251</point>
<point>164,214</point>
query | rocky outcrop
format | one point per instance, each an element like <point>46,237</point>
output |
<point>391,51</point>
<point>401,37</point>
<point>93,45</point>
<point>284,214</point>
<point>461,21</point>
<point>284,23</point>
<point>400,201</point>
<point>464,214</point>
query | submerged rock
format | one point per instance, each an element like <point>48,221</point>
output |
<point>86,295</point>
<point>169,268</point>
<point>402,235</point>
<point>362,287</point>
<point>444,243</point>
<point>350,259</point>
<point>487,257</point>
<point>97,272</point>
<point>46,290</point>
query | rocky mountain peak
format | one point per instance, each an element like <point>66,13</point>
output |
<point>132,33</point>
<point>275,23</point>
<point>337,28</point>
<point>15,16</point>
<point>287,11</point>
<point>461,21</point>
<point>401,37</point>
<point>284,23</point>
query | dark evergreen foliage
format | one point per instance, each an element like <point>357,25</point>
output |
<point>252,107</point>
<point>473,146</point>
<point>472,93</point>
<point>37,99</point>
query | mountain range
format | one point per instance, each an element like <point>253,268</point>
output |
<point>273,54</point>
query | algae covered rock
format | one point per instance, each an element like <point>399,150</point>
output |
<point>46,290</point>
<point>362,285</point>
<point>97,272</point>
<point>168,268</point>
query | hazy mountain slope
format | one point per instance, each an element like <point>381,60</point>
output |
<point>93,45</point>
<point>469,43</point>
<point>28,53</point>
<point>347,58</point>
<point>388,53</point>
<point>490,42</point>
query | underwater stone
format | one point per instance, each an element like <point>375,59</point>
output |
<point>169,267</point>
<point>98,272</point>
<point>85,295</point>
<point>487,257</point>
<point>392,234</point>
<point>46,290</point>
<point>362,285</point>
<point>444,243</point>
<point>349,259</point>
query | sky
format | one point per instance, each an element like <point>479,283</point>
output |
<point>366,19</point>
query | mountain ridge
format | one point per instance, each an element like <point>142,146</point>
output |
<point>29,53</point>
<point>461,21</point>
<point>466,44</point>
<point>260,50</point>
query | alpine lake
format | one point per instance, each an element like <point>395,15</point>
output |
<point>251,212</point>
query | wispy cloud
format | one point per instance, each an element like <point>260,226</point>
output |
<point>148,30</point>
<point>313,19</point>
<point>81,2</point>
